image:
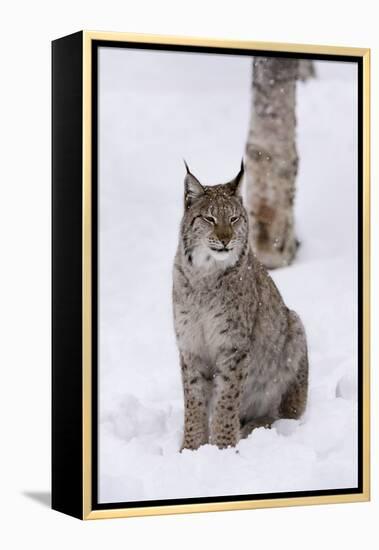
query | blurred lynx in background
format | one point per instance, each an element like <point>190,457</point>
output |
<point>243,353</point>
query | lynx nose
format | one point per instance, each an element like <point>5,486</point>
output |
<point>224,235</point>
<point>225,241</point>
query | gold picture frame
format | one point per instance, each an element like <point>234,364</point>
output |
<point>74,495</point>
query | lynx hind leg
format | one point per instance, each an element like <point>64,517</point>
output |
<point>250,425</point>
<point>294,399</point>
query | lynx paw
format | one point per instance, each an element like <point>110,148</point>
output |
<point>193,443</point>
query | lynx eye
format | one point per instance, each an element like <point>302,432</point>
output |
<point>209,219</point>
<point>234,219</point>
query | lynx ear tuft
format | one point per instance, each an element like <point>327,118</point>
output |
<point>192,188</point>
<point>235,185</point>
<point>186,165</point>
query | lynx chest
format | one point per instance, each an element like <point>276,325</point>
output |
<point>199,324</point>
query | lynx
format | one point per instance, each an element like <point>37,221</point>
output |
<point>243,353</point>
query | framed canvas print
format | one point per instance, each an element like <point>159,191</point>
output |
<point>210,275</point>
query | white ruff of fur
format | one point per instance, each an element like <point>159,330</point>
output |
<point>209,260</point>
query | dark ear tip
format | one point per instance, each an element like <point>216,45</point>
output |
<point>186,165</point>
<point>242,169</point>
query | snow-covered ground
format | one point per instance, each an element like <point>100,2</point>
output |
<point>155,109</point>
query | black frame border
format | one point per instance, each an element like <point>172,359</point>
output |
<point>67,253</point>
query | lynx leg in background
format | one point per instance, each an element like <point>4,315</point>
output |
<point>250,425</point>
<point>295,398</point>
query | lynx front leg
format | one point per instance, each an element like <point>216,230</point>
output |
<point>227,392</point>
<point>196,400</point>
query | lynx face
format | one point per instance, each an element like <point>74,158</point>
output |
<point>214,226</point>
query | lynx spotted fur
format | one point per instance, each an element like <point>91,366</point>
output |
<point>243,353</point>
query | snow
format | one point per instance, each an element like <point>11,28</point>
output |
<point>155,109</point>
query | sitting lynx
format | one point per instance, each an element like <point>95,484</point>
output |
<point>243,353</point>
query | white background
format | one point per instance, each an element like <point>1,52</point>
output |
<point>27,29</point>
